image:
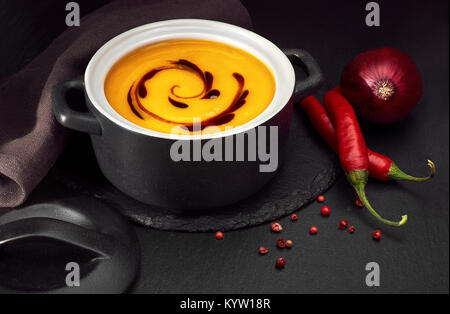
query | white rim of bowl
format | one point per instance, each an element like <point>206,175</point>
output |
<point>123,44</point>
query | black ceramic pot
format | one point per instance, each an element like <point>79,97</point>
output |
<point>141,162</point>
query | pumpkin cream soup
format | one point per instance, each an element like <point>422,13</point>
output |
<point>188,86</point>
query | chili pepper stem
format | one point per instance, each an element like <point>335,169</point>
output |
<point>358,179</point>
<point>397,174</point>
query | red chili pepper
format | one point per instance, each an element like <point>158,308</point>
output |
<point>380,167</point>
<point>351,229</point>
<point>294,217</point>
<point>352,149</point>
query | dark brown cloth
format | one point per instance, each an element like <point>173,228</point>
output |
<point>30,138</point>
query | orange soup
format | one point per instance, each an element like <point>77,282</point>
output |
<point>189,86</point>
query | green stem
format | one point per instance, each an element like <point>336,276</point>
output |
<point>358,179</point>
<point>396,174</point>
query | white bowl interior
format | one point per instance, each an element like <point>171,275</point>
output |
<point>118,47</point>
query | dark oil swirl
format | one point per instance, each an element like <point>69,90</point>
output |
<point>141,92</point>
<point>178,104</point>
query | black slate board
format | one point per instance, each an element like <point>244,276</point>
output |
<point>309,170</point>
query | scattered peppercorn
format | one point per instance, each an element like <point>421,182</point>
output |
<point>289,243</point>
<point>343,224</point>
<point>325,211</point>
<point>263,251</point>
<point>276,227</point>
<point>321,198</point>
<point>280,243</point>
<point>351,229</point>
<point>377,234</point>
<point>281,263</point>
<point>219,235</point>
<point>294,217</point>
<point>359,203</point>
<point>313,230</point>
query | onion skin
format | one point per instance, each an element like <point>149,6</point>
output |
<point>384,85</point>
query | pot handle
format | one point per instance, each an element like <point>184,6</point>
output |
<point>306,87</point>
<point>68,117</point>
<point>94,241</point>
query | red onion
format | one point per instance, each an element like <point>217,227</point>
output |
<point>383,84</point>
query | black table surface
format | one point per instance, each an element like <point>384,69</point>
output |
<point>412,259</point>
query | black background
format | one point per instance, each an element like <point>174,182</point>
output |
<point>413,259</point>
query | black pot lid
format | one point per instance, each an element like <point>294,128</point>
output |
<point>74,245</point>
